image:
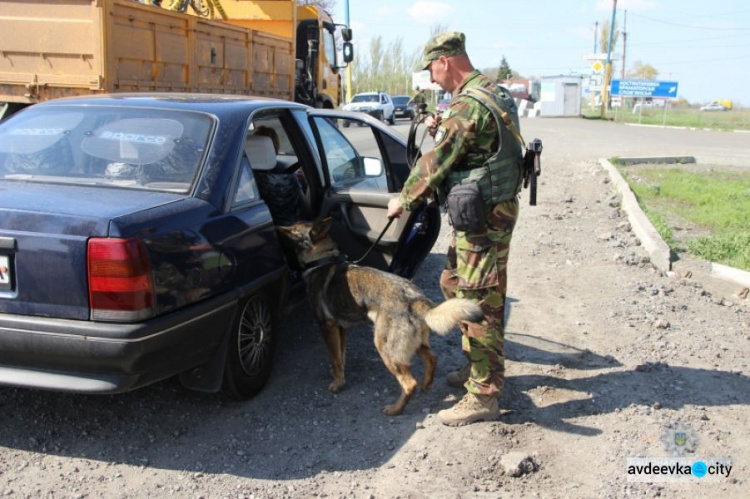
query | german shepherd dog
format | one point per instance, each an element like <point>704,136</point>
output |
<point>344,295</point>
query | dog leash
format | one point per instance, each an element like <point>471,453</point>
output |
<point>390,221</point>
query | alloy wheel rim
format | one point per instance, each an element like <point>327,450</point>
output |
<point>254,336</point>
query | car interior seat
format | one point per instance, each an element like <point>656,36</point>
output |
<point>279,188</point>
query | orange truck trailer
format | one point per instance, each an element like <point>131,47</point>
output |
<point>270,48</point>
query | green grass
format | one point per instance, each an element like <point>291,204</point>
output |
<point>715,204</point>
<point>736,119</point>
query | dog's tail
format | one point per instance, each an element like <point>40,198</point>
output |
<point>442,318</point>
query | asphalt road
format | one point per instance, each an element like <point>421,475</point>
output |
<point>581,139</point>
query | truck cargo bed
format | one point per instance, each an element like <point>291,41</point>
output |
<point>58,48</point>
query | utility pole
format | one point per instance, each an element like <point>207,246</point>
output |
<point>596,34</point>
<point>348,66</point>
<point>608,67</point>
<point>624,44</point>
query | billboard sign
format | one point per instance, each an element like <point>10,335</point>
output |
<point>644,88</point>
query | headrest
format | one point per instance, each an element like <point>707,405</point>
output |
<point>260,152</point>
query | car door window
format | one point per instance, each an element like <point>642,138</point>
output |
<point>359,167</point>
<point>246,191</point>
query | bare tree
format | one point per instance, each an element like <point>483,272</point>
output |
<point>384,67</point>
<point>604,37</point>
<point>436,29</point>
<point>643,71</point>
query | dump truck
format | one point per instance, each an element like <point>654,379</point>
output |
<point>270,48</point>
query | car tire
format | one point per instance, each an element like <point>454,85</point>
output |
<point>346,124</point>
<point>392,120</point>
<point>250,353</point>
<point>283,196</point>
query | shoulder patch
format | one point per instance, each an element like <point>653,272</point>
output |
<point>440,134</point>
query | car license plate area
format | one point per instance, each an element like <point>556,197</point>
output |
<point>6,277</point>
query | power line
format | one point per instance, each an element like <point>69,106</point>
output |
<point>704,16</point>
<point>672,63</point>
<point>689,26</point>
<point>680,42</point>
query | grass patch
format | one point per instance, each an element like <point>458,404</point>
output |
<point>732,250</point>
<point>736,119</point>
<point>706,213</point>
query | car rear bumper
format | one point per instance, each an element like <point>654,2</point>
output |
<point>97,357</point>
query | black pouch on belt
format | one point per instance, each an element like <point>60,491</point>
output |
<point>466,207</point>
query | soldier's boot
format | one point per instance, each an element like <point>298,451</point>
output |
<point>470,409</point>
<point>457,379</point>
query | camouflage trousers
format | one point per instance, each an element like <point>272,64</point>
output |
<point>476,269</point>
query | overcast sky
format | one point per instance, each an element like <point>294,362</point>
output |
<point>704,46</point>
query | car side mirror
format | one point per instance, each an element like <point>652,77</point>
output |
<point>373,167</point>
<point>348,50</point>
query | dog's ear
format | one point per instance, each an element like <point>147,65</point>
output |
<point>320,228</point>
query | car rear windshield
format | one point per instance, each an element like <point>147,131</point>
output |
<point>366,98</point>
<point>110,146</point>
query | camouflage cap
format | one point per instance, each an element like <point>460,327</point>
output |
<point>447,44</point>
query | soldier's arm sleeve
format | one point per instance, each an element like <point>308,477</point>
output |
<point>453,139</point>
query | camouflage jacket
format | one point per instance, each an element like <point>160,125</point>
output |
<point>466,137</point>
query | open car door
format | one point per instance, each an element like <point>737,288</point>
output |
<point>364,167</point>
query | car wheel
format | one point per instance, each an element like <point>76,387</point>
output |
<point>346,123</point>
<point>392,121</point>
<point>250,354</point>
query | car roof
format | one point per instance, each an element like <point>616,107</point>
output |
<point>209,103</point>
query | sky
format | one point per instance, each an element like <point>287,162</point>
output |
<point>703,46</point>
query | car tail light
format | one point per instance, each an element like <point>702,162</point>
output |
<point>120,284</point>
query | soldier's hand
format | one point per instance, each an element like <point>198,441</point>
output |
<point>394,208</point>
<point>432,123</point>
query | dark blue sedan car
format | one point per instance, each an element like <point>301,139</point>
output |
<point>138,241</point>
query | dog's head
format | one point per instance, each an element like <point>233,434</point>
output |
<point>310,239</point>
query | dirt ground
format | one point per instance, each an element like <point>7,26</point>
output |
<point>606,359</point>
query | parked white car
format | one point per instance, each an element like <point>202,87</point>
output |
<point>377,104</point>
<point>714,106</point>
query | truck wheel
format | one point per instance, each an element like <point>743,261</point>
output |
<point>203,8</point>
<point>252,343</point>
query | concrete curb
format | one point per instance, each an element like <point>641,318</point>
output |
<point>650,238</point>
<point>642,227</point>
<point>682,160</point>
<point>686,128</point>
<point>738,276</point>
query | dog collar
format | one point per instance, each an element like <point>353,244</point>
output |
<point>323,262</point>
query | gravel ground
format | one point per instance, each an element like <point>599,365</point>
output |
<point>605,356</point>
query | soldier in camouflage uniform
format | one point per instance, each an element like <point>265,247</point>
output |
<point>466,137</point>
<point>418,101</point>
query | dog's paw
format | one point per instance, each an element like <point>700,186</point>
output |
<point>392,409</point>
<point>426,387</point>
<point>336,385</point>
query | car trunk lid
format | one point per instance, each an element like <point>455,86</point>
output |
<point>44,230</point>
